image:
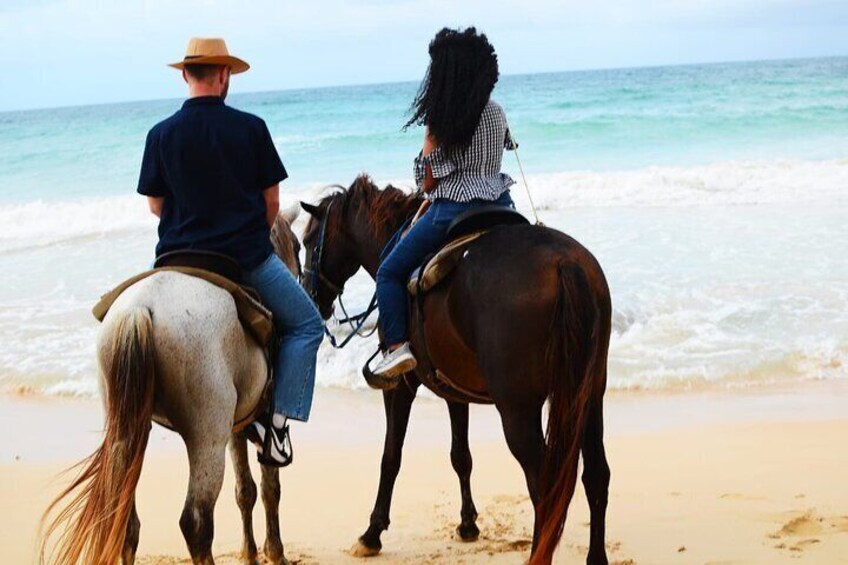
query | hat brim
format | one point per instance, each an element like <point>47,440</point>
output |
<point>236,65</point>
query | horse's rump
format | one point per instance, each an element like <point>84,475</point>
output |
<point>201,346</point>
<point>498,305</point>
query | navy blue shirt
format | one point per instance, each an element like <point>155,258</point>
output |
<point>211,164</point>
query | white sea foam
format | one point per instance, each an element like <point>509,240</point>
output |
<point>732,273</point>
<point>42,222</point>
<point>730,183</point>
<point>726,183</point>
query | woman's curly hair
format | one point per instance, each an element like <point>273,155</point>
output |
<point>456,88</point>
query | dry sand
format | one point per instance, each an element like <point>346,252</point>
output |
<point>719,477</point>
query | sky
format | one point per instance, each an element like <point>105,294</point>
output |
<point>75,52</point>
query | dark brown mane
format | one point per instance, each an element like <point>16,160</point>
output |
<point>385,208</point>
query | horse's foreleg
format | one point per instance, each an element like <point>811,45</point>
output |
<point>207,458</point>
<point>596,479</point>
<point>461,460</point>
<point>398,403</point>
<point>245,495</point>
<point>271,500</point>
<point>526,441</point>
<point>131,540</point>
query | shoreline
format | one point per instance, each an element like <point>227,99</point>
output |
<point>626,412</point>
<point>729,477</point>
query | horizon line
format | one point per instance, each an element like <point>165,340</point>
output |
<point>405,81</point>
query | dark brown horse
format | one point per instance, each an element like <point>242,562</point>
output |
<point>524,319</point>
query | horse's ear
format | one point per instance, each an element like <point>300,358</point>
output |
<point>311,209</point>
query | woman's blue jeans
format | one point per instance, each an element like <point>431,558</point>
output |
<point>426,237</point>
<point>300,329</point>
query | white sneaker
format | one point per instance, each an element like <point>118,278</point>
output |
<point>397,362</point>
<point>280,452</point>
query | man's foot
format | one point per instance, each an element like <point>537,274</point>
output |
<point>273,448</point>
<point>396,362</point>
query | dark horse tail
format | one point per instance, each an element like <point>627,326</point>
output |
<point>574,348</point>
<point>95,519</point>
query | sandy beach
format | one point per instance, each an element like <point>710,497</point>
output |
<point>720,477</point>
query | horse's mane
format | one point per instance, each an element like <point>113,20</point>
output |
<point>286,244</point>
<point>386,207</point>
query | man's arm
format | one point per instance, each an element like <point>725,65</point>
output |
<point>272,203</point>
<point>155,204</point>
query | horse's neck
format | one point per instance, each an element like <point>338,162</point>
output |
<point>375,237</point>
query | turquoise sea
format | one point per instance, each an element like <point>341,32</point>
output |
<point>714,196</point>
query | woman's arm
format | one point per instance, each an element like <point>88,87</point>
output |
<point>430,144</point>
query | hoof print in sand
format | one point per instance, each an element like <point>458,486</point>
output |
<point>805,529</point>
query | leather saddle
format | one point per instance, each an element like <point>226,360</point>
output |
<point>465,228</point>
<point>217,263</point>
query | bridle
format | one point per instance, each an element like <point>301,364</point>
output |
<point>313,276</point>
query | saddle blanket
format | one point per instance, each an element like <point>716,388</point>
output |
<point>255,318</point>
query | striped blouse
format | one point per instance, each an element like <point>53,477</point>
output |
<point>475,173</point>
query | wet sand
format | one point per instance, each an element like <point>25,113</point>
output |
<point>721,477</point>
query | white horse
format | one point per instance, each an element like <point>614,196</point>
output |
<point>172,350</point>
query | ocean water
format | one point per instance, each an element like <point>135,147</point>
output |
<point>714,196</point>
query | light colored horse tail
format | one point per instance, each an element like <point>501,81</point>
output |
<point>103,494</point>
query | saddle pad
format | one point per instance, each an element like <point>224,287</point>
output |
<point>255,318</point>
<point>441,265</point>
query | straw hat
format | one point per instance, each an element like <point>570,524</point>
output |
<point>210,51</point>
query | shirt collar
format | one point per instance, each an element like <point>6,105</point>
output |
<point>204,101</point>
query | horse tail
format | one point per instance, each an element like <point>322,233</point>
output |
<point>574,347</point>
<point>102,495</point>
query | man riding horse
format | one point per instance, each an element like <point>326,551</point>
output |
<point>212,175</point>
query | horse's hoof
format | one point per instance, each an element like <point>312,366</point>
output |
<point>468,532</point>
<point>359,549</point>
<point>276,558</point>
<point>597,558</point>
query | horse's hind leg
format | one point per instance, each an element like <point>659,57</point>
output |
<point>461,460</point>
<point>271,500</point>
<point>398,403</point>
<point>207,458</point>
<point>245,495</point>
<point>596,479</point>
<point>131,540</point>
<point>522,427</point>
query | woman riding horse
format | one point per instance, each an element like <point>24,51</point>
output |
<point>522,320</point>
<point>459,168</point>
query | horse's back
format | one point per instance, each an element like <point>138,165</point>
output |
<point>497,309</point>
<point>204,358</point>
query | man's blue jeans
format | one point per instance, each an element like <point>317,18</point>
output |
<point>425,237</point>
<point>300,328</point>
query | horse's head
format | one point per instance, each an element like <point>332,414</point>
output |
<point>331,254</point>
<point>347,230</point>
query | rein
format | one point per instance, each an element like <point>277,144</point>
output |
<point>314,275</point>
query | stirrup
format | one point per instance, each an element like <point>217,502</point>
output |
<point>380,382</point>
